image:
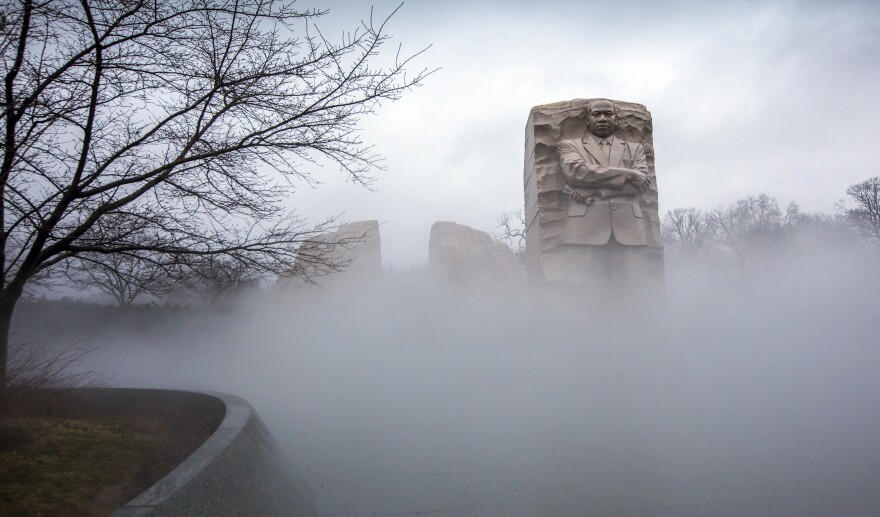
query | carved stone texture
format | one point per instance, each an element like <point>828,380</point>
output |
<point>356,246</point>
<point>549,204</point>
<point>461,257</point>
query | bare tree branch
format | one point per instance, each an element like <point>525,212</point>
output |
<point>170,131</point>
<point>511,229</point>
<point>687,229</point>
<point>738,231</point>
<point>864,216</point>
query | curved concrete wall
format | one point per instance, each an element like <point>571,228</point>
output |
<point>237,471</point>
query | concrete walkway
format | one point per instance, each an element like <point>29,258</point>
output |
<point>635,486</point>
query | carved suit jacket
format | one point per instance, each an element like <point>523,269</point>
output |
<point>614,209</point>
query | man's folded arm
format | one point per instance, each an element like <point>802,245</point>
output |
<point>579,173</point>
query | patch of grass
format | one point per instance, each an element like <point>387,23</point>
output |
<point>87,452</point>
<point>51,466</point>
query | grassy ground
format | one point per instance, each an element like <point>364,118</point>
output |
<point>53,464</point>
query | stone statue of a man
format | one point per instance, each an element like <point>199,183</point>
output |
<point>591,205</point>
<point>606,175</point>
<point>603,248</point>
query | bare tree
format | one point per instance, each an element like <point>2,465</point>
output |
<point>218,279</point>
<point>751,225</point>
<point>511,229</point>
<point>123,276</point>
<point>864,216</point>
<point>186,122</point>
<point>687,229</point>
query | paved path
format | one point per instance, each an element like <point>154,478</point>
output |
<point>625,487</point>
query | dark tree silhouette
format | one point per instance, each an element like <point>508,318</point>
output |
<point>181,124</point>
<point>122,276</point>
<point>218,279</point>
<point>751,225</point>
<point>687,229</point>
<point>864,215</point>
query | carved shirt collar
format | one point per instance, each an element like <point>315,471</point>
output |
<point>597,140</point>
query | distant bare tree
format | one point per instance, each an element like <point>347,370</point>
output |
<point>687,229</point>
<point>186,122</point>
<point>750,225</point>
<point>122,276</point>
<point>511,229</point>
<point>825,231</point>
<point>864,216</point>
<point>218,279</point>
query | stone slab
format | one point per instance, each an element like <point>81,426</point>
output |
<point>355,246</point>
<point>462,257</point>
<point>237,471</point>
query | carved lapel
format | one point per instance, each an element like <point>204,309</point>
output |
<point>617,147</point>
<point>593,148</point>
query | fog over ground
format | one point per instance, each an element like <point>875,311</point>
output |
<point>754,392</point>
<point>755,384</point>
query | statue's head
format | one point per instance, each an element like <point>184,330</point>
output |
<point>602,118</point>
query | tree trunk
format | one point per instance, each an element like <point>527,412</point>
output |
<point>7,306</point>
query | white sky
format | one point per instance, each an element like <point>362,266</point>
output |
<point>781,98</point>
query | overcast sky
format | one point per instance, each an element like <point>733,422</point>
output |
<point>746,97</point>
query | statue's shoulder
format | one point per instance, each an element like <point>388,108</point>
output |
<point>632,144</point>
<point>572,142</point>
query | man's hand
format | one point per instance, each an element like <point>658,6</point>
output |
<point>639,180</point>
<point>580,196</point>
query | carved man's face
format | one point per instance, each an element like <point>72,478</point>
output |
<point>602,119</point>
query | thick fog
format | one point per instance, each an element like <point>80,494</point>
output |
<point>753,383</point>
